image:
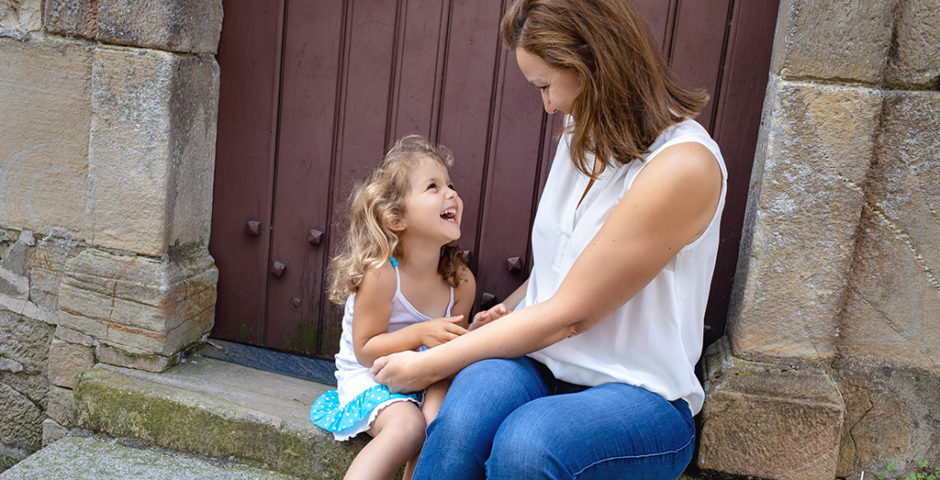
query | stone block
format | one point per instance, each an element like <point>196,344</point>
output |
<point>893,308</point>
<point>152,149</point>
<point>175,25</point>
<point>843,40</point>
<point>72,17</point>
<point>21,15</point>
<point>45,102</point>
<point>892,415</point>
<point>150,363</point>
<point>20,420</point>
<point>137,304</point>
<point>25,340</point>
<point>59,407</point>
<point>73,336</point>
<point>803,210</point>
<point>914,60</point>
<point>52,431</point>
<point>67,361</point>
<point>769,421</point>
<point>47,260</point>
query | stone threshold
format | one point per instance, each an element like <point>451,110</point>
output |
<point>217,409</point>
<point>95,458</point>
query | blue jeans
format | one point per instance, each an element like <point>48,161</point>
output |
<point>511,419</point>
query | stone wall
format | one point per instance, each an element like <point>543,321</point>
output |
<point>107,153</point>
<point>831,363</point>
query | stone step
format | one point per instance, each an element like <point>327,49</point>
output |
<point>217,409</point>
<point>88,458</point>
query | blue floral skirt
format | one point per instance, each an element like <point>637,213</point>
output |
<point>355,417</point>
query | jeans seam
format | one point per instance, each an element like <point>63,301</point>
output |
<point>657,454</point>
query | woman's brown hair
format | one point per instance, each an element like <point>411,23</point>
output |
<point>628,93</point>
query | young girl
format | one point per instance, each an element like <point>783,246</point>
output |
<point>404,288</point>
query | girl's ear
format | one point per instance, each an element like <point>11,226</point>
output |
<point>397,225</point>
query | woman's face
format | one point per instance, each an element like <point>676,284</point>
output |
<point>559,87</point>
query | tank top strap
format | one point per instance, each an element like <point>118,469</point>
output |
<point>394,263</point>
<point>451,304</point>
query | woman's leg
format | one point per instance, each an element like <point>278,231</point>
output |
<point>397,434</point>
<point>609,431</point>
<point>480,397</point>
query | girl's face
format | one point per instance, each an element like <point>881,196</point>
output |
<point>559,87</point>
<point>433,208</point>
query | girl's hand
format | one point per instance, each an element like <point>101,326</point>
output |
<point>440,330</point>
<point>402,372</point>
<point>482,318</point>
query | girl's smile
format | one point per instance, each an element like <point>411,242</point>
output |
<point>433,207</point>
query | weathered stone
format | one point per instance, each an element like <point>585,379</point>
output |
<point>13,285</point>
<point>150,363</point>
<point>73,336</point>
<point>159,193</point>
<point>914,59</point>
<point>72,17</point>
<point>24,15</point>
<point>137,304</point>
<point>16,260</point>
<point>893,306</point>
<point>175,25</point>
<point>769,421</point>
<point>892,415</point>
<point>803,210</point>
<point>845,40</point>
<point>59,407</point>
<point>10,365</point>
<point>67,361</point>
<point>46,103</point>
<point>20,420</point>
<point>25,340</point>
<point>96,458</point>
<point>52,431</point>
<point>47,261</point>
<point>218,409</point>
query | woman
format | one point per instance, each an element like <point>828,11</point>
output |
<point>592,374</point>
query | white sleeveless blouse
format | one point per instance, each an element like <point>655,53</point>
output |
<point>655,339</point>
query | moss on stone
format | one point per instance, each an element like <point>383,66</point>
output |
<point>118,405</point>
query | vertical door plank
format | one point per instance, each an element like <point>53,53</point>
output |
<point>416,100</point>
<point>512,181</point>
<point>737,122</point>
<point>361,123</point>
<point>305,146</point>
<point>250,55</point>
<point>697,48</point>
<point>659,15</point>
<point>473,50</point>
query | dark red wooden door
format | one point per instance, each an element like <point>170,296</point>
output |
<point>313,92</point>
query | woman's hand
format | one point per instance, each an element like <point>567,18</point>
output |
<point>440,330</point>
<point>487,316</point>
<point>402,372</point>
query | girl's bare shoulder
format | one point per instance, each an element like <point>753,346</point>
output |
<point>378,282</point>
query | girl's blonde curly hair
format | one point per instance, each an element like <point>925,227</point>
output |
<point>376,203</point>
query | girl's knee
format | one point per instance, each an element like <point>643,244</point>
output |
<point>402,421</point>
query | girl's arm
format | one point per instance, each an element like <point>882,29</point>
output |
<point>464,294</point>
<point>669,205</point>
<point>371,311</point>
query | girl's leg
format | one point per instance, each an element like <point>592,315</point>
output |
<point>609,431</point>
<point>397,434</point>
<point>433,397</point>
<point>480,397</point>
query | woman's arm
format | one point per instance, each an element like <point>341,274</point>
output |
<point>669,205</point>
<point>371,312</point>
